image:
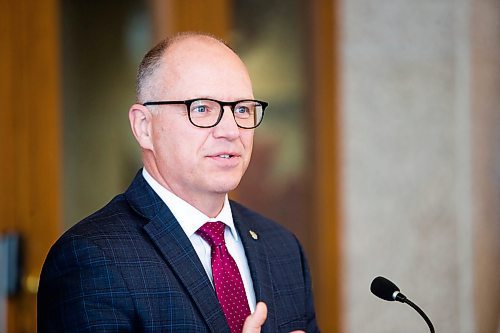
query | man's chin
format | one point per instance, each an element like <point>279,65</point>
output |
<point>225,185</point>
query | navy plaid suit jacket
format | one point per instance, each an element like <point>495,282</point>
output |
<point>131,268</point>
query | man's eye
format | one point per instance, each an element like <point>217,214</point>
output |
<point>200,109</point>
<point>242,110</point>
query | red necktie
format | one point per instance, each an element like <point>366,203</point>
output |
<point>227,279</point>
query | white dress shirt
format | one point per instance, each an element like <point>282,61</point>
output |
<point>191,219</point>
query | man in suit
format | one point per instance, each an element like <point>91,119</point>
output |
<point>172,253</point>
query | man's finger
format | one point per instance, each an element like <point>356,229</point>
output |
<point>254,322</point>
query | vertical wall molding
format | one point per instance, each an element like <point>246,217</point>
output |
<point>324,104</point>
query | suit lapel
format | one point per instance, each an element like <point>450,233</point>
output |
<point>258,262</point>
<point>175,247</point>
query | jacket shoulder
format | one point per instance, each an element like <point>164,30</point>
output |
<point>115,217</point>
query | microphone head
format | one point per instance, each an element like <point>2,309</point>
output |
<point>383,288</point>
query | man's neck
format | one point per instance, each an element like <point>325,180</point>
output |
<point>210,204</point>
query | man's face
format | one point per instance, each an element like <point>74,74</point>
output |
<point>192,161</point>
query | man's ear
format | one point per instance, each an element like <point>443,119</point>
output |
<point>141,123</point>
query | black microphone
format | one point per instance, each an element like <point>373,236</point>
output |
<point>386,290</point>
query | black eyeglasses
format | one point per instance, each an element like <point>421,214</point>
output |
<point>206,112</point>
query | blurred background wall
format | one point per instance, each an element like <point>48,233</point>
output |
<point>380,149</point>
<point>421,186</point>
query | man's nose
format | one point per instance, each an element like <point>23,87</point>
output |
<point>227,126</point>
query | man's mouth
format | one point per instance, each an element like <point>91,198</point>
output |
<point>226,159</point>
<point>225,155</point>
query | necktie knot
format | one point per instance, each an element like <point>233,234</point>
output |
<point>213,233</point>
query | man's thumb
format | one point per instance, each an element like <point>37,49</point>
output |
<point>254,322</point>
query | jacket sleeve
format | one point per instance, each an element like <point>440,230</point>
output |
<point>81,290</point>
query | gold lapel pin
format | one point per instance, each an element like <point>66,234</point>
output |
<point>253,234</point>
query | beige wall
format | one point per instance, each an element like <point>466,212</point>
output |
<point>420,90</point>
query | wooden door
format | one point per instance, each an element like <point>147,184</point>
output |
<point>29,141</point>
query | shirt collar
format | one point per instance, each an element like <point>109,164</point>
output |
<point>189,217</point>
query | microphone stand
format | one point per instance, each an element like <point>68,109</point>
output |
<point>403,299</point>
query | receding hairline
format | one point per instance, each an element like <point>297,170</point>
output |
<point>153,58</point>
<point>202,36</point>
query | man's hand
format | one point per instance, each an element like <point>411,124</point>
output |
<point>254,322</point>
